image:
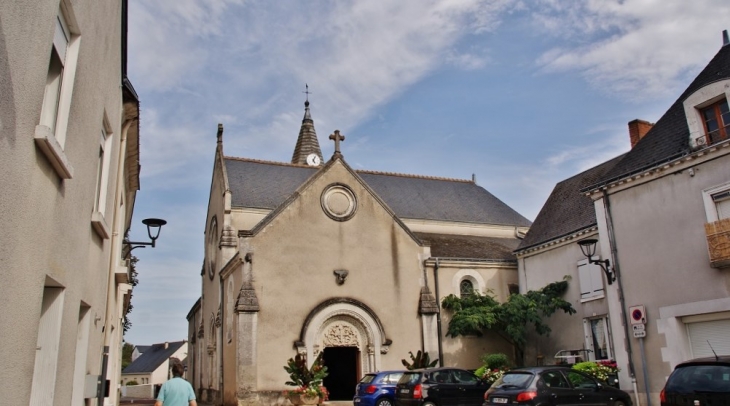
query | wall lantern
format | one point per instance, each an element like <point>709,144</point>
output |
<point>588,247</point>
<point>153,231</point>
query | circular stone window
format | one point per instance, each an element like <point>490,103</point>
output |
<point>339,202</point>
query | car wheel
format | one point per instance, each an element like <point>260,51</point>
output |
<point>429,404</point>
<point>619,403</point>
<point>384,402</point>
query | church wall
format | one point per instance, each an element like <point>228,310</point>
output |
<point>214,261</point>
<point>466,352</point>
<point>293,263</point>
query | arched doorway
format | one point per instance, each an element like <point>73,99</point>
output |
<point>342,365</point>
<point>352,339</point>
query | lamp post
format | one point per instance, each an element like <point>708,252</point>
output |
<point>588,247</point>
<point>153,231</point>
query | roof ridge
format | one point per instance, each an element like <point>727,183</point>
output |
<point>407,175</point>
<point>263,161</point>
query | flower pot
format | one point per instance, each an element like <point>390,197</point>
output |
<point>302,399</point>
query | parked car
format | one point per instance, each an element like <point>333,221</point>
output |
<point>439,387</point>
<point>701,381</point>
<point>377,389</point>
<point>552,385</point>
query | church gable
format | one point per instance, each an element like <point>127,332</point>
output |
<point>333,194</point>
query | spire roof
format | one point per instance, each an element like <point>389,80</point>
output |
<point>307,143</point>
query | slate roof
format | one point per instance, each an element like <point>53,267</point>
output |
<point>152,358</point>
<point>470,247</point>
<point>266,185</point>
<point>669,138</point>
<point>567,210</point>
<point>142,348</point>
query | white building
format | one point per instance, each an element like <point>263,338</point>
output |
<point>69,172</point>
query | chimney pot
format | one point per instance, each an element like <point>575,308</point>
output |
<point>167,345</point>
<point>638,129</point>
<point>725,38</point>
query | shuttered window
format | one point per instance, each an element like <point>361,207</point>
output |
<point>716,332</point>
<point>591,281</point>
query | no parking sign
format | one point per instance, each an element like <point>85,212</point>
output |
<point>637,314</point>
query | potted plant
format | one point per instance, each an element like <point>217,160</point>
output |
<point>307,381</point>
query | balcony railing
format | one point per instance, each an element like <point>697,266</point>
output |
<point>718,242</point>
<point>713,137</point>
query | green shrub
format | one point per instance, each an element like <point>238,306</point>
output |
<point>495,361</point>
<point>597,369</point>
<point>132,383</point>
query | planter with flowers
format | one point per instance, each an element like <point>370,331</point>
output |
<point>308,381</point>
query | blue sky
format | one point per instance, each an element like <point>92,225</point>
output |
<point>522,94</point>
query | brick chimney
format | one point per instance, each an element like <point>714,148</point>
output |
<point>638,129</point>
<point>167,345</point>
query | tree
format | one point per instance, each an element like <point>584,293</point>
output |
<point>127,350</point>
<point>476,313</point>
<point>126,323</point>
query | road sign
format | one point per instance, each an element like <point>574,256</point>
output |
<point>639,333</point>
<point>637,314</point>
<point>639,327</point>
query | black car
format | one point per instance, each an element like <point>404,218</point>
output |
<point>701,381</point>
<point>553,385</point>
<point>439,387</point>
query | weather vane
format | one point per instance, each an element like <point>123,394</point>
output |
<point>307,91</point>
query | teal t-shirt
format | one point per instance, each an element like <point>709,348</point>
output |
<point>176,392</point>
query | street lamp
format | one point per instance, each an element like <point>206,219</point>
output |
<point>153,231</point>
<point>588,247</point>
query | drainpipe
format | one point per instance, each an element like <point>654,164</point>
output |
<point>621,298</point>
<point>220,340</point>
<point>438,315</point>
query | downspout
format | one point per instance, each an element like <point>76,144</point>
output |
<point>112,260</point>
<point>438,315</point>
<point>621,298</point>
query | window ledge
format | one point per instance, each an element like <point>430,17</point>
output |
<point>592,298</point>
<point>46,141</point>
<point>121,273</point>
<point>99,224</point>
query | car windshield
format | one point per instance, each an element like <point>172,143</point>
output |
<point>519,380</point>
<point>699,378</point>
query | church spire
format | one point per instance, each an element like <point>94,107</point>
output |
<point>307,144</point>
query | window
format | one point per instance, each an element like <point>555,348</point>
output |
<point>596,338</point>
<point>717,202</point>
<point>591,281</point>
<point>98,219</point>
<point>466,288</point>
<point>716,118</point>
<point>50,133</point>
<point>47,346</point>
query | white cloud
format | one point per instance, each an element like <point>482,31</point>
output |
<point>638,49</point>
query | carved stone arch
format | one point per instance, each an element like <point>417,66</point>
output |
<point>347,323</point>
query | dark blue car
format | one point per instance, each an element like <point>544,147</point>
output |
<point>377,389</point>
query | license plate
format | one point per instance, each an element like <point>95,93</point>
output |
<point>357,400</point>
<point>405,391</point>
<point>499,400</point>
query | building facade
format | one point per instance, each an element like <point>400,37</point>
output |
<point>69,172</point>
<point>661,215</point>
<point>313,257</point>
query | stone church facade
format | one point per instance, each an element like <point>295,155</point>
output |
<point>311,256</point>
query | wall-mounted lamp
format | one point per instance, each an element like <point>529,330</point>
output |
<point>588,247</point>
<point>153,231</point>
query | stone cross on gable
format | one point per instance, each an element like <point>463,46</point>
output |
<point>337,137</point>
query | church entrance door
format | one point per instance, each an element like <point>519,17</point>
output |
<point>342,366</point>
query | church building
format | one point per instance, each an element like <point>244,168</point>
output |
<point>312,256</point>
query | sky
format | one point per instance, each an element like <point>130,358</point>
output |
<point>519,94</point>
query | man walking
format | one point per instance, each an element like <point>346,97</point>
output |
<point>176,391</point>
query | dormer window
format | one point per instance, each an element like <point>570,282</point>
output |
<point>708,117</point>
<point>717,121</point>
